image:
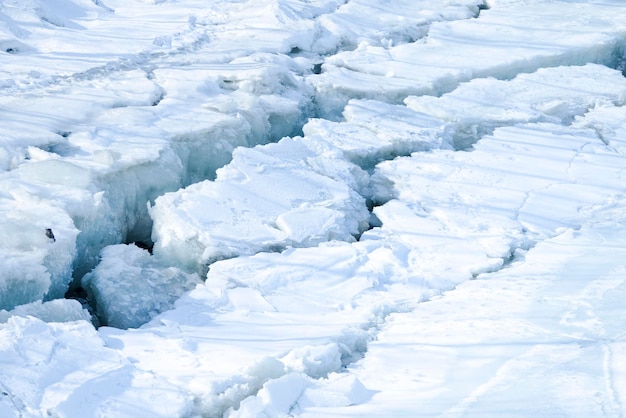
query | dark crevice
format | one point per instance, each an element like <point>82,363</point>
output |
<point>147,245</point>
<point>480,8</point>
<point>80,295</point>
<point>158,100</point>
<point>317,68</point>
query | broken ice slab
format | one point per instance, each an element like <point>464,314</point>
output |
<point>268,198</point>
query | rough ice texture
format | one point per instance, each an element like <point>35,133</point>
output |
<point>65,369</point>
<point>96,171</point>
<point>107,106</point>
<point>374,131</point>
<point>129,286</point>
<point>269,197</point>
<point>454,52</point>
<point>32,265</point>
<point>555,95</point>
<point>359,21</point>
<point>58,310</point>
<point>562,157</point>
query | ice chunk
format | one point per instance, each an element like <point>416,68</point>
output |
<point>33,265</point>
<point>547,95</point>
<point>293,392</point>
<point>314,361</point>
<point>241,212</point>
<point>278,397</point>
<point>337,390</point>
<point>567,164</point>
<point>456,248</point>
<point>129,286</point>
<point>243,103</point>
<point>300,311</point>
<point>468,213</point>
<point>58,310</point>
<point>98,145</point>
<point>609,124</point>
<point>373,131</point>
<point>51,117</point>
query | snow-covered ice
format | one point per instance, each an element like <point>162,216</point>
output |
<point>373,131</point>
<point>312,208</point>
<point>508,39</point>
<point>543,337</point>
<point>241,213</point>
<point>548,95</point>
<point>64,369</point>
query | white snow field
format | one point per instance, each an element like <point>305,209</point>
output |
<point>315,208</point>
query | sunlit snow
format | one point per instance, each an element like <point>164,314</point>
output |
<point>312,208</point>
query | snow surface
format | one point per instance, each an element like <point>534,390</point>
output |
<point>340,208</point>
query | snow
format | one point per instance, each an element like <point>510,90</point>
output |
<point>539,338</point>
<point>64,369</point>
<point>312,208</point>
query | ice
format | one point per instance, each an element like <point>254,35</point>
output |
<point>33,266</point>
<point>485,137</point>
<point>240,214</point>
<point>608,123</point>
<point>260,320</point>
<point>374,131</point>
<point>547,95</point>
<point>452,187</point>
<point>129,287</point>
<point>572,197</point>
<point>367,20</point>
<point>535,338</point>
<point>65,369</point>
<point>291,393</point>
<point>58,310</point>
<point>63,179</point>
<point>97,146</point>
<point>339,389</point>
<point>229,337</point>
<point>506,40</point>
